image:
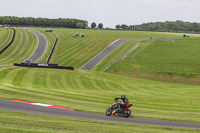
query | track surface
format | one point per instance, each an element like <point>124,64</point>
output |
<point>99,57</point>
<point>42,45</point>
<point>27,108</point>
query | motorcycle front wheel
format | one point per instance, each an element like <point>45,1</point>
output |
<point>109,112</point>
<point>126,113</point>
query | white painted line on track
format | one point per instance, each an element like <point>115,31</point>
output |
<point>40,104</point>
<point>44,105</point>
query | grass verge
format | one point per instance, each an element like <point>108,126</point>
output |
<point>21,122</point>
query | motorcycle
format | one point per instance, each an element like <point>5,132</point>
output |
<point>115,110</point>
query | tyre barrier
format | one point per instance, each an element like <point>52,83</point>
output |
<point>55,66</point>
<point>13,37</point>
<point>54,45</point>
<point>135,48</point>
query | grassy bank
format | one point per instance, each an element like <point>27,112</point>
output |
<point>5,36</point>
<point>24,45</point>
<point>94,92</point>
<point>169,60</point>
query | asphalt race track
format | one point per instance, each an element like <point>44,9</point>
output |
<point>33,109</point>
<point>99,57</point>
<point>42,45</point>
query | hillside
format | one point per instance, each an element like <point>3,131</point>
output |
<point>167,60</point>
<point>5,36</point>
<point>77,51</point>
<point>94,92</point>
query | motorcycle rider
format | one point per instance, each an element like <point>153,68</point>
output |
<point>125,101</point>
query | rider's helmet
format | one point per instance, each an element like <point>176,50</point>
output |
<point>123,96</point>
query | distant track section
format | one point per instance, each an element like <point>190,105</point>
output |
<point>42,46</point>
<point>99,57</point>
<point>13,37</point>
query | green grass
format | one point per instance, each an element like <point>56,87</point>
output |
<point>182,56</point>
<point>5,36</point>
<point>77,51</point>
<point>21,122</point>
<point>162,60</point>
<point>92,91</point>
<point>24,45</point>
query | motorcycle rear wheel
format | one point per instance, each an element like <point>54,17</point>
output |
<point>126,113</point>
<point>109,111</point>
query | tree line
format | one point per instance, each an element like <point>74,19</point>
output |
<point>171,26</point>
<point>30,21</point>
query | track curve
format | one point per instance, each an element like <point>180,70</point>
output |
<point>27,108</point>
<point>100,56</point>
<point>42,46</point>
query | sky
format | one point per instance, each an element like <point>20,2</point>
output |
<point>108,12</point>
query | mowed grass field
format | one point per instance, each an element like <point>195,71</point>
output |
<point>77,51</point>
<point>5,36</point>
<point>23,47</point>
<point>162,60</point>
<point>15,122</point>
<point>92,91</point>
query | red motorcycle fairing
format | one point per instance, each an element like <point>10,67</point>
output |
<point>127,106</point>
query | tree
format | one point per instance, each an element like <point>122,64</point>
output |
<point>100,26</point>
<point>123,26</point>
<point>118,26</point>
<point>93,25</point>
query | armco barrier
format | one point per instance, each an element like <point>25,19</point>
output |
<point>55,66</point>
<point>135,48</point>
<point>54,45</point>
<point>13,37</point>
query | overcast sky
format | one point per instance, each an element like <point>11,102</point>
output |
<point>108,12</point>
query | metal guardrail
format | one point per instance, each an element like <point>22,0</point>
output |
<point>54,45</point>
<point>134,49</point>
<point>35,65</point>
